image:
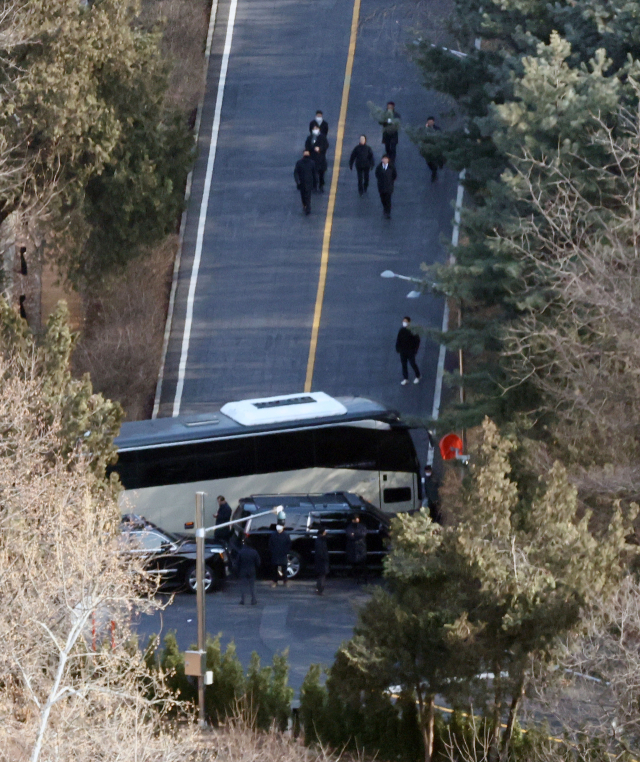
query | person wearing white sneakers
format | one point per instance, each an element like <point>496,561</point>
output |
<point>407,345</point>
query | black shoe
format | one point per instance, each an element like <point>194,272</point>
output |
<point>434,177</point>
<point>387,215</point>
<point>242,603</point>
<point>307,211</point>
<point>361,193</point>
<point>254,602</point>
<point>321,189</point>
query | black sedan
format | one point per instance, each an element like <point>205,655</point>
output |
<point>172,558</point>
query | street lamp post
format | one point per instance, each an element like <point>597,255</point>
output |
<point>390,274</point>
<point>200,602</point>
<point>198,666</point>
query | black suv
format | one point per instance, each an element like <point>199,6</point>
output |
<point>304,513</point>
<point>172,557</point>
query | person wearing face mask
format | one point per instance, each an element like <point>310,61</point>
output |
<point>320,123</point>
<point>279,547</point>
<point>407,345</point>
<point>362,157</point>
<point>386,176</point>
<point>390,122</point>
<point>317,145</point>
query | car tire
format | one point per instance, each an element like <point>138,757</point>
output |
<point>211,579</point>
<point>294,564</point>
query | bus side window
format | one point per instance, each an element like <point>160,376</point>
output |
<point>127,469</point>
<point>286,451</point>
<point>396,451</point>
<point>347,447</point>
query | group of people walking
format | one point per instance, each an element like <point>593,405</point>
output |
<point>248,559</point>
<point>310,170</point>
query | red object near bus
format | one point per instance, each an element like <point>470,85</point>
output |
<point>450,447</point>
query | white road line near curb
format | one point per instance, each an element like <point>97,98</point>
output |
<point>455,236</point>
<point>215,130</point>
<point>183,220</point>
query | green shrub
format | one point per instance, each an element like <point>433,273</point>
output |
<point>263,697</point>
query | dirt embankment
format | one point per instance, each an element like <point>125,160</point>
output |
<point>122,328</point>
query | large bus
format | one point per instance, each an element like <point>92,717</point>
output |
<point>296,443</point>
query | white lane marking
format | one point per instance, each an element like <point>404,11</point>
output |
<point>455,236</point>
<point>183,220</point>
<point>186,336</point>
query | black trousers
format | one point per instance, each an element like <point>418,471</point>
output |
<point>434,169</point>
<point>390,147</point>
<point>386,202</point>
<point>411,359</point>
<point>321,579</point>
<point>321,177</point>
<point>363,178</point>
<point>247,585</point>
<point>305,195</point>
<point>280,572</point>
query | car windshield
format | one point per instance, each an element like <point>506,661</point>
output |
<point>130,524</point>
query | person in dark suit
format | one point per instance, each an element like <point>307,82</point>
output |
<point>362,157</point>
<point>320,122</point>
<point>317,145</point>
<point>435,161</point>
<point>390,122</point>
<point>356,548</point>
<point>306,178</point>
<point>321,559</point>
<point>248,565</point>
<point>222,517</point>
<point>407,345</point>
<point>386,176</point>
<point>279,547</point>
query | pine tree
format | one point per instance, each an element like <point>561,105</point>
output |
<point>495,592</point>
<point>545,74</point>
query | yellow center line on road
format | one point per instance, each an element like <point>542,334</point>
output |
<point>328,224</point>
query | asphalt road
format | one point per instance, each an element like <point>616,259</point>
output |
<point>258,276</point>
<point>310,626</point>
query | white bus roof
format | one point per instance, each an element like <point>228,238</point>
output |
<point>216,424</point>
<point>282,409</point>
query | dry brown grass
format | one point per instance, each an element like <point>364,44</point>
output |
<point>124,326</point>
<point>184,24</point>
<point>236,742</point>
<point>121,344</point>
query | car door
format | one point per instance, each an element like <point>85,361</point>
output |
<point>156,550</point>
<point>376,539</point>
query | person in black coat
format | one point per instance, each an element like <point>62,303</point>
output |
<point>306,178</point>
<point>319,122</point>
<point>357,548</point>
<point>431,494</point>
<point>362,157</point>
<point>248,565</point>
<point>317,145</point>
<point>435,161</point>
<point>407,345</point>
<point>321,558</point>
<point>390,122</point>
<point>279,547</point>
<point>222,517</point>
<point>386,176</point>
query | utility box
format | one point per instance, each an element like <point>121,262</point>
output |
<point>195,663</point>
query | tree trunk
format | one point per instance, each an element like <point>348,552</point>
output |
<point>513,712</point>
<point>496,715</point>
<point>427,716</point>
